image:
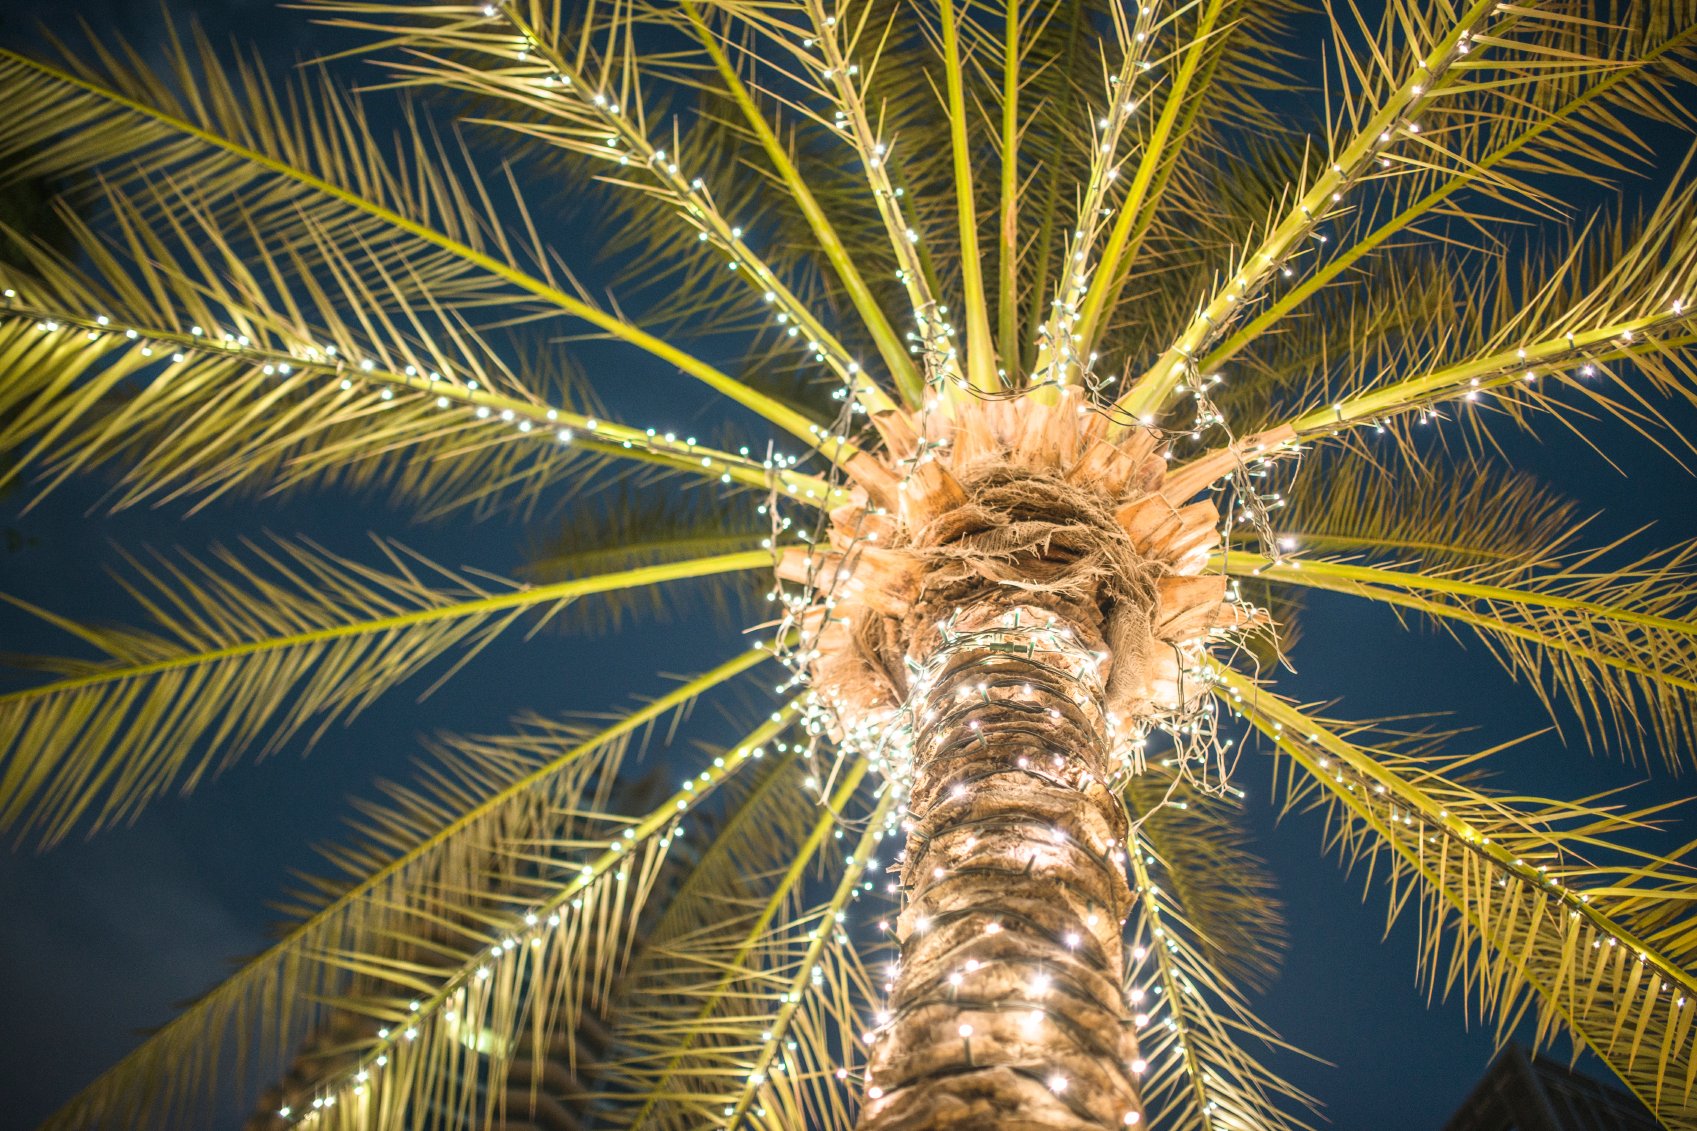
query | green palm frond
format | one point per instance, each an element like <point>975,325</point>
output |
<point>795,1079</point>
<point>321,172</point>
<point>1401,515</point>
<point>181,416</point>
<point>422,853</point>
<point>249,650</point>
<point>1226,893</point>
<point>577,88</point>
<point>625,530</point>
<point>1196,1027</point>
<point>1614,641</point>
<point>1561,319</point>
<point>1410,92</point>
<point>332,385</point>
<point>446,1024</point>
<point>1525,906</point>
<point>718,1000</point>
<point>1566,126</point>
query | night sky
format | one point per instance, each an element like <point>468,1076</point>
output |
<point>99,938</point>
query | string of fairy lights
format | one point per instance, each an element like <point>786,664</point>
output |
<point>1165,989</point>
<point>529,934</point>
<point>463,396</point>
<point>1397,118</point>
<point>932,339</point>
<point>886,741</point>
<point>625,141</point>
<point>1057,338</point>
<point>1048,651</point>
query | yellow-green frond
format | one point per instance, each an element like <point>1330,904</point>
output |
<point>1196,1030</point>
<point>1614,642</point>
<point>249,649</point>
<point>422,851</point>
<point>1526,907</point>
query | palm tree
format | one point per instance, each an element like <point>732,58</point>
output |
<point>1095,355</point>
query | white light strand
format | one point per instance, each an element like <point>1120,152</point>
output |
<point>933,339</point>
<point>1326,195</point>
<point>451,392</point>
<point>533,929</point>
<point>1329,758</point>
<point>695,204</point>
<point>1058,360</point>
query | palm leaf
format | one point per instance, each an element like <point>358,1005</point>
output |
<point>1194,1021</point>
<point>532,964</point>
<point>420,853</point>
<point>619,531</point>
<point>1226,893</point>
<point>1565,126</point>
<point>1561,319</point>
<point>237,141</point>
<point>708,1012</point>
<point>1616,643</point>
<point>248,650</point>
<point>1404,515</point>
<point>1524,905</point>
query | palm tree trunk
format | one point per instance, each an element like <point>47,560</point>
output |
<point>1007,1008</point>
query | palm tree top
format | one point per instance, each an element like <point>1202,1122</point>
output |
<point>1080,340</point>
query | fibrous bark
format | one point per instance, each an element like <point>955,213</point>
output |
<point>1008,1009</point>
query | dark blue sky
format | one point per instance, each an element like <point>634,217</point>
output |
<point>99,938</point>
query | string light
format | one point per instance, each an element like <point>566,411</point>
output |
<point>661,829</point>
<point>445,393</point>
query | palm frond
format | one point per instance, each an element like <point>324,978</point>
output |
<point>1226,892</point>
<point>1132,214</point>
<point>896,360</point>
<point>318,169</point>
<point>794,1080</point>
<point>249,649</point>
<point>420,855</point>
<point>620,531</point>
<point>1560,126</point>
<point>1526,907</point>
<point>1395,103</point>
<point>193,366</point>
<point>717,1001</point>
<point>1195,1027</point>
<point>446,1023</point>
<point>1405,516</point>
<point>1390,91</point>
<point>1606,306</point>
<point>574,86</point>
<point>1616,643</point>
